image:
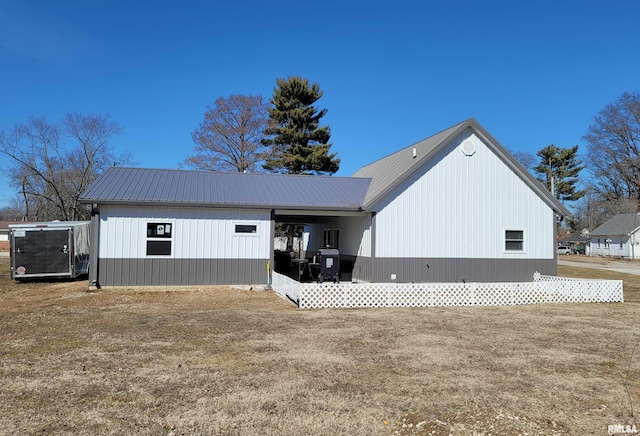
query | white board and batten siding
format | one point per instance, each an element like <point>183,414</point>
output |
<point>198,233</point>
<point>355,234</point>
<point>205,247</point>
<point>616,246</point>
<point>459,206</point>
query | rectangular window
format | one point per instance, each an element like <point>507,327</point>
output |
<point>159,238</point>
<point>327,238</point>
<point>514,240</point>
<point>621,244</point>
<point>598,242</point>
<point>336,238</point>
<point>246,228</point>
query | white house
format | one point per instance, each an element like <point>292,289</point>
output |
<point>617,237</point>
<point>4,235</point>
<point>453,207</point>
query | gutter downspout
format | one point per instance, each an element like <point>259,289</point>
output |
<point>94,238</point>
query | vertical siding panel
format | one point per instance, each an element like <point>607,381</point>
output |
<point>213,272</point>
<point>117,273</point>
<point>460,207</point>
<point>144,272</point>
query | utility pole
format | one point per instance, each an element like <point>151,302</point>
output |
<point>551,181</point>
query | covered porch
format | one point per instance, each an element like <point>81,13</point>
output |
<point>300,234</point>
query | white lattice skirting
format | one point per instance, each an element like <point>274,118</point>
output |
<point>544,289</point>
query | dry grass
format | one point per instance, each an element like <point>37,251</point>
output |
<point>631,282</point>
<point>216,361</point>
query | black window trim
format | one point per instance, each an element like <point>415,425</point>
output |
<point>246,225</point>
<point>157,243</point>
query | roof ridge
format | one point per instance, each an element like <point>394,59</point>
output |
<point>230,173</point>
<point>417,142</point>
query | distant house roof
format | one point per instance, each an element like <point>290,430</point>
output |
<point>204,188</point>
<point>388,172</point>
<point>575,238</point>
<point>4,225</point>
<point>623,224</point>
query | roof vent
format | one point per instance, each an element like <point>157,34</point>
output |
<point>415,153</point>
<point>468,147</point>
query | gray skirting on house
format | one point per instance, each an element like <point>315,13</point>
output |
<point>451,269</point>
<point>157,271</point>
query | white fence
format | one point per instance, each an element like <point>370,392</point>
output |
<point>544,289</point>
<point>286,286</point>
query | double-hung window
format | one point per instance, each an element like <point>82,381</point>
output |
<point>514,240</point>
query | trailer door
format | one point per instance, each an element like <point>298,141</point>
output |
<point>42,252</point>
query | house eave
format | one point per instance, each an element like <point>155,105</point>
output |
<point>311,208</point>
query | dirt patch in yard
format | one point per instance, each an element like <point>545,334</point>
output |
<point>209,360</point>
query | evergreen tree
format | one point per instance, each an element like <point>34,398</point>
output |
<point>560,167</point>
<point>298,144</point>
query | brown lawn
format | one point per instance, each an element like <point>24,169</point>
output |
<point>211,360</point>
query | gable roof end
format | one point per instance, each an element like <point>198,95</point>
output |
<point>389,172</point>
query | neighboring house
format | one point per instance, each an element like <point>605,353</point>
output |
<point>4,234</point>
<point>453,207</point>
<point>617,237</point>
<point>576,242</point>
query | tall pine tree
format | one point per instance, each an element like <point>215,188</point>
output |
<point>560,167</point>
<point>298,144</point>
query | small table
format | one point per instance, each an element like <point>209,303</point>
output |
<point>300,263</point>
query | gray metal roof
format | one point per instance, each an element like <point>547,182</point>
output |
<point>388,172</point>
<point>623,224</point>
<point>283,191</point>
<point>44,224</point>
<point>202,188</point>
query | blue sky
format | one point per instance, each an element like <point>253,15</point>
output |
<point>532,73</point>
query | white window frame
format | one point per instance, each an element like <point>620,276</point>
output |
<point>522,240</point>
<point>151,238</point>
<point>246,234</point>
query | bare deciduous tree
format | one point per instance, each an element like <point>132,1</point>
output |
<point>526,159</point>
<point>593,210</point>
<point>613,142</point>
<point>52,164</point>
<point>11,213</point>
<point>230,136</point>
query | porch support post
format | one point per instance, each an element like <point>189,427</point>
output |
<point>555,244</point>
<point>372,266</point>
